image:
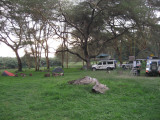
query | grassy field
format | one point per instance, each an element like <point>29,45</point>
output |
<point>41,98</point>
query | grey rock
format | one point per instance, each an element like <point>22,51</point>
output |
<point>84,81</point>
<point>97,88</point>
<point>100,88</point>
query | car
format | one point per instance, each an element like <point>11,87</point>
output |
<point>105,65</point>
<point>153,67</point>
<point>127,65</point>
<point>131,64</point>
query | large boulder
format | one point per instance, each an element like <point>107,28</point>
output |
<point>100,88</point>
<point>97,88</point>
<point>84,81</point>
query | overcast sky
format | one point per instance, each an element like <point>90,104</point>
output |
<point>6,51</point>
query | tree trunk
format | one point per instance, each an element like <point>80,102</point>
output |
<point>118,50</point>
<point>119,53</point>
<point>88,63</point>
<point>19,61</point>
<point>36,64</point>
<point>67,60</point>
<point>46,55</point>
<point>159,51</point>
<point>62,55</point>
<point>120,59</point>
<point>47,61</point>
<point>36,68</point>
<point>87,57</point>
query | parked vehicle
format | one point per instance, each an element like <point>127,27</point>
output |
<point>136,68</point>
<point>131,64</point>
<point>127,65</point>
<point>105,65</point>
<point>153,67</point>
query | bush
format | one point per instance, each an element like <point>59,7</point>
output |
<point>8,62</point>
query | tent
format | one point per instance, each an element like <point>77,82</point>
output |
<point>58,70</point>
<point>102,56</point>
<point>6,73</point>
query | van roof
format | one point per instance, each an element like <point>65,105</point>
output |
<point>107,60</point>
<point>153,60</point>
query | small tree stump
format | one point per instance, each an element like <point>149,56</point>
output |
<point>22,74</point>
<point>47,75</point>
<point>57,74</point>
<point>16,75</point>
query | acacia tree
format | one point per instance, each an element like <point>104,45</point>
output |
<point>33,41</point>
<point>89,19</point>
<point>47,34</point>
<point>12,28</point>
<point>37,27</point>
<point>154,43</point>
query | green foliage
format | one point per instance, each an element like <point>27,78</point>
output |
<point>71,57</point>
<point>52,62</point>
<point>7,62</point>
<point>28,61</point>
<point>38,97</point>
<point>11,63</point>
<point>143,66</point>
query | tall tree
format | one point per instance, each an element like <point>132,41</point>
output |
<point>47,34</point>
<point>89,19</point>
<point>12,29</point>
<point>38,29</point>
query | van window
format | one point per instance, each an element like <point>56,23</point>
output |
<point>104,63</point>
<point>110,62</point>
<point>154,63</point>
<point>100,63</point>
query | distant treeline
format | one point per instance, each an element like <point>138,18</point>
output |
<point>11,63</point>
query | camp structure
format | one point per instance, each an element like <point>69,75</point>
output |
<point>6,73</point>
<point>103,57</point>
<point>58,70</point>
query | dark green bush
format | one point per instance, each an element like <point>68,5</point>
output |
<point>8,62</point>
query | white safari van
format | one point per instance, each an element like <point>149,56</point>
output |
<point>105,65</point>
<point>153,67</point>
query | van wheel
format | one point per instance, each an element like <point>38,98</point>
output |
<point>94,69</point>
<point>154,67</point>
<point>146,74</point>
<point>124,67</point>
<point>108,69</point>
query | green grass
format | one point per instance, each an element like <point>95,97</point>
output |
<point>41,98</point>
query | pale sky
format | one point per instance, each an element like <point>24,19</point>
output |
<point>6,51</point>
